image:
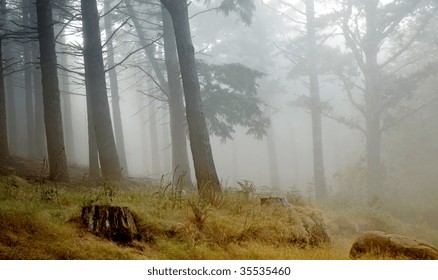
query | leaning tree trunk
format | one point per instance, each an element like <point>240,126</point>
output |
<point>114,87</point>
<point>96,87</point>
<point>206,176</point>
<point>51,98</point>
<point>315,101</point>
<point>180,159</point>
<point>149,48</point>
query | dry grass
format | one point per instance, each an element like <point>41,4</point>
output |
<point>33,226</point>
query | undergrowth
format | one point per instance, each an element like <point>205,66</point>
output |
<point>173,225</point>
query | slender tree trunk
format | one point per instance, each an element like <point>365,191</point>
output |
<point>66,101</point>
<point>234,160</point>
<point>114,87</point>
<point>4,146</point>
<point>51,98</point>
<point>165,142</point>
<point>205,170</point>
<point>272,154</point>
<point>180,159</point>
<point>143,133</point>
<point>96,87</point>
<point>11,109</point>
<point>149,51</point>
<point>40,135</point>
<point>318,159</point>
<point>93,155</point>
<point>29,93</point>
<point>155,157</point>
<point>372,100</point>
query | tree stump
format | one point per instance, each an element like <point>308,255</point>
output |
<point>383,244</point>
<point>112,222</point>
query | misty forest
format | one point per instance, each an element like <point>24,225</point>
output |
<point>218,129</point>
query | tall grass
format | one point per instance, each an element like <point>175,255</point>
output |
<point>172,225</point>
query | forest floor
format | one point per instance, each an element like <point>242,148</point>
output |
<point>40,219</point>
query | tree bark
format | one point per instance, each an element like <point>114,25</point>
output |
<point>114,88</point>
<point>40,136</point>
<point>272,155</point>
<point>93,155</point>
<point>66,102</point>
<point>96,87</point>
<point>371,74</point>
<point>11,107</point>
<point>8,83</point>
<point>180,159</point>
<point>4,146</point>
<point>29,93</point>
<point>206,176</point>
<point>315,101</point>
<point>51,98</point>
<point>155,157</point>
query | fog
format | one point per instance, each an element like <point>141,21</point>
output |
<point>243,157</point>
<point>274,42</point>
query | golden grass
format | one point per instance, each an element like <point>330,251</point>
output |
<point>41,221</point>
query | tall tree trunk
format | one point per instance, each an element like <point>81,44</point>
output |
<point>66,101</point>
<point>29,93</point>
<point>149,51</point>
<point>372,100</point>
<point>114,87</point>
<point>315,101</point>
<point>40,135</point>
<point>93,155</point>
<point>165,142</point>
<point>4,146</point>
<point>11,109</point>
<point>272,155</point>
<point>180,159</point>
<point>234,160</point>
<point>96,87</point>
<point>205,170</point>
<point>51,98</point>
<point>143,133</point>
<point>155,157</point>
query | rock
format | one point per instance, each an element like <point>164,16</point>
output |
<point>111,222</point>
<point>278,201</point>
<point>383,244</point>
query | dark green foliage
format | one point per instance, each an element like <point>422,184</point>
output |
<point>229,93</point>
<point>244,8</point>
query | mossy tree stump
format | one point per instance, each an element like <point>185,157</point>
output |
<point>111,222</point>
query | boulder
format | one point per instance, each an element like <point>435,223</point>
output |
<point>111,222</point>
<point>381,244</point>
